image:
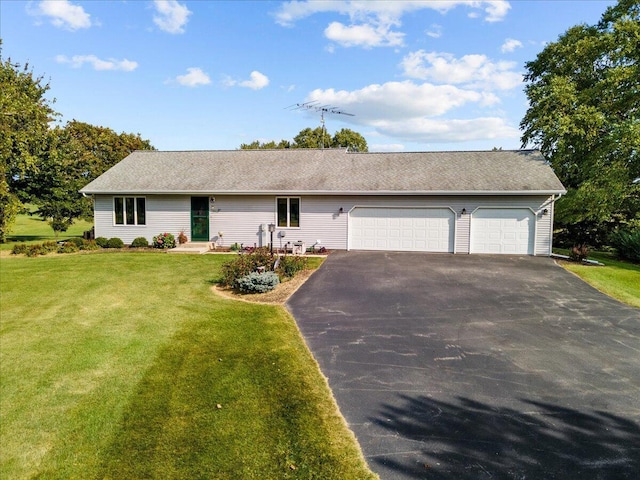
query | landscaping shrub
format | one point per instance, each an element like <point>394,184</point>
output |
<point>579,252</point>
<point>102,242</point>
<point>90,245</point>
<point>35,250</point>
<point>245,264</point>
<point>19,249</point>
<point>77,241</point>
<point>49,247</point>
<point>140,242</point>
<point>164,240</point>
<point>257,282</point>
<point>68,247</point>
<point>627,244</point>
<point>115,242</point>
<point>289,265</point>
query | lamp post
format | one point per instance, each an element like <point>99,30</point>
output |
<point>272,228</point>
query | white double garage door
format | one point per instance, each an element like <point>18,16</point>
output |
<point>492,230</point>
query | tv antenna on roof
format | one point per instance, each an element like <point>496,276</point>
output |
<point>317,107</point>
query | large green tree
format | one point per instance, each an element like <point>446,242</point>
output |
<point>75,155</point>
<point>584,115</point>
<point>25,115</point>
<point>315,138</point>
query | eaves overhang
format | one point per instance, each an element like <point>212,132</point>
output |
<point>329,192</point>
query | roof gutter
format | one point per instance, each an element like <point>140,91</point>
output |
<point>327,192</point>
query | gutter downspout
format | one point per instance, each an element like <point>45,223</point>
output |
<point>554,199</point>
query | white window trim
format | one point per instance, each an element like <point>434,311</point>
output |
<point>124,211</point>
<point>289,213</point>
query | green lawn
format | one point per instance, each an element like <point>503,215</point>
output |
<point>31,228</point>
<point>127,365</point>
<point>618,279</point>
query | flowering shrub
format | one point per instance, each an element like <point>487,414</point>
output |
<point>289,265</point>
<point>244,264</point>
<point>164,240</point>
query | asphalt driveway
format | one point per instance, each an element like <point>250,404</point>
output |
<point>472,367</point>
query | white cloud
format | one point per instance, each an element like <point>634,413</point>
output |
<point>496,10</point>
<point>372,23</point>
<point>257,81</point>
<point>172,16</point>
<point>435,31</point>
<point>398,100</point>
<point>63,14</point>
<point>510,45</point>
<point>473,71</point>
<point>446,131</point>
<point>364,35</point>
<point>98,64</point>
<point>194,78</point>
<point>388,12</point>
<point>419,112</point>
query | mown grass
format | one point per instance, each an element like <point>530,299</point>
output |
<point>618,279</point>
<point>128,366</point>
<point>32,228</point>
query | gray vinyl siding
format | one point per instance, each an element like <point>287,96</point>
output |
<point>165,213</point>
<point>239,217</point>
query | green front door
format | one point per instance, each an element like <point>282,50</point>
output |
<point>199,219</point>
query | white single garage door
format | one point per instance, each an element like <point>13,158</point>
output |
<point>502,230</point>
<point>401,229</point>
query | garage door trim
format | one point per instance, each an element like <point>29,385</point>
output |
<point>533,234</point>
<point>454,217</point>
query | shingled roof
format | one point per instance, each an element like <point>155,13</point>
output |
<point>328,171</point>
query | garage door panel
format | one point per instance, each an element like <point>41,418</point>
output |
<point>503,230</point>
<point>404,229</point>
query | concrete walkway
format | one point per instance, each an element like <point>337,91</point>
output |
<point>473,367</point>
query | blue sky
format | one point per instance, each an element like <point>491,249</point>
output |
<point>195,75</point>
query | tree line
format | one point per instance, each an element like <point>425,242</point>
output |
<point>315,138</point>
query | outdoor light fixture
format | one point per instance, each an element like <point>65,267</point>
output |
<point>545,211</point>
<point>340,211</point>
<point>464,211</point>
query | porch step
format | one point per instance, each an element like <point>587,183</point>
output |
<point>192,247</point>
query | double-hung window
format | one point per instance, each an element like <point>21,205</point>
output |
<point>288,211</point>
<point>129,210</point>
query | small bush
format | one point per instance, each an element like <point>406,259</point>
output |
<point>68,247</point>
<point>35,250</point>
<point>289,265</point>
<point>140,242</point>
<point>49,247</point>
<point>164,240</point>
<point>77,241</point>
<point>245,264</point>
<point>182,238</point>
<point>234,247</point>
<point>19,249</point>
<point>102,242</point>
<point>627,244</point>
<point>579,252</point>
<point>90,245</point>
<point>257,282</point>
<point>115,242</point>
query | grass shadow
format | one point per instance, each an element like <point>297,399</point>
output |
<point>469,440</point>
